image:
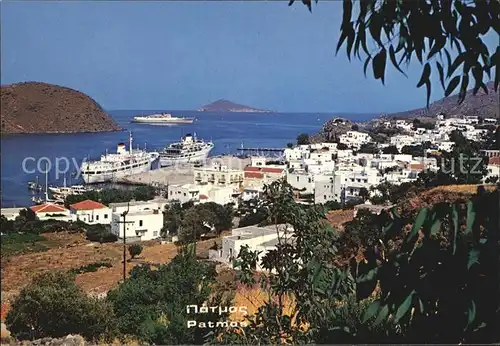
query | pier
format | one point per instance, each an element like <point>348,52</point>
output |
<point>270,150</point>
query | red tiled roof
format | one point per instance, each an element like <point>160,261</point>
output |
<point>272,170</point>
<point>417,166</point>
<point>494,161</point>
<point>203,197</point>
<point>87,205</point>
<point>256,175</point>
<point>48,208</point>
<point>252,169</point>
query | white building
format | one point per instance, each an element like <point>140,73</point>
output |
<point>133,206</point>
<point>301,180</point>
<point>354,139</point>
<point>184,193</point>
<point>471,119</point>
<point>256,238</point>
<point>219,175</point>
<point>90,212</point>
<point>139,225</point>
<point>399,141</point>
<point>446,146</point>
<point>10,213</point>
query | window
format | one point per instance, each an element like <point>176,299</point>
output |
<point>97,217</point>
<point>155,234</point>
<point>105,216</point>
<point>297,178</point>
<point>324,196</point>
<point>309,179</point>
<point>184,194</point>
<point>140,223</point>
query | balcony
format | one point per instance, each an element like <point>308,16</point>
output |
<point>197,178</point>
<point>211,179</point>
<point>222,180</point>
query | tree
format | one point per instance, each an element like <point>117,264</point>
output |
<point>289,145</point>
<point>464,164</point>
<point>413,150</point>
<point>416,123</point>
<point>151,304</point>
<point>364,194</point>
<point>144,193</point>
<point>172,219</point>
<point>450,30</point>
<point>355,127</point>
<point>342,146</point>
<point>390,150</point>
<point>52,305</point>
<point>302,139</point>
<point>369,148</point>
<point>134,250</point>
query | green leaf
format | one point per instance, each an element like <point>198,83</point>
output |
<point>473,257</point>
<point>419,221</point>
<point>471,216</point>
<point>382,315</point>
<point>371,311</point>
<point>379,65</point>
<point>404,307</point>
<point>441,74</point>
<point>392,56</point>
<point>463,88</point>
<point>367,61</point>
<point>454,216</point>
<point>458,61</point>
<point>452,86</point>
<point>440,42</point>
<point>471,314</point>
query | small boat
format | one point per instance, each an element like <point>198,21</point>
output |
<point>35,186</point>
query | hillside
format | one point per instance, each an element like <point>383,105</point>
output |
<point>484,105</point>
<point>34,107</point>
<point>228,106</point>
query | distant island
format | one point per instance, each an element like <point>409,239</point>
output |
<point>228,106</point>
<point>34,107</point>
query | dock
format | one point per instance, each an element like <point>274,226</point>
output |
<point>181,174</point>
<point>271,150</point>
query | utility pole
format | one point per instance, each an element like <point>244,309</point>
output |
<point>124,215</point>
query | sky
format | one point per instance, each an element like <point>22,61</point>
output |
<point>180,55</point>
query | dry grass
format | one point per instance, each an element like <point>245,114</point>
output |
<point>337,218</point>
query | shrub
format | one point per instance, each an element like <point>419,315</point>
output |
<point>53,305</point>
<point>92,267</point>
<point>134,250</point>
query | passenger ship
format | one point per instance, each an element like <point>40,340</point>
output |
<point>189,149</point>
<point>114,166</point>
<point>163,118</point>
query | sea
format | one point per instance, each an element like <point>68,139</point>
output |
<point>25,158</point>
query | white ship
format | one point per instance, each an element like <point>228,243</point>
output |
<point>189,149</point>
<point>163,118</point>
<point>114,166</point>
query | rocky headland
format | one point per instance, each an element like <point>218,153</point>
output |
<point>33,107</point>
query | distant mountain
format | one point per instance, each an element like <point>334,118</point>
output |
<point>228,106</point>
<point>34,107</point>
<point>484,105</point>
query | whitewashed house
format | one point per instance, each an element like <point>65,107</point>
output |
<point>301,180</point>
<point>184,193</point>
<point>10,213</point>
<point>133,206</point>
<point>219,175</point>
<point>90,212</point>
<point>140,225</point>
<point>354,139</point>
<point>261,239</point>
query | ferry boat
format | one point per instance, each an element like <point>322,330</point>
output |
<point>114,166</point>
<point>189,149</point>
<point>162,118</point>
